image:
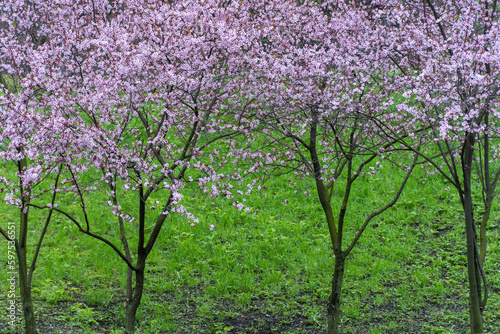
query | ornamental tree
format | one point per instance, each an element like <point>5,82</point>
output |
<point>318,79</point>
<point>448,59</point>
<point>28,149</point>
<point>133,91</point>
<point>22,185</point>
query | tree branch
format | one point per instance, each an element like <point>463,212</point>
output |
<point>381,210</point>
<point>96,236</point>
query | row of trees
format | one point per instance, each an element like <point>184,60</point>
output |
<point>135,99</point>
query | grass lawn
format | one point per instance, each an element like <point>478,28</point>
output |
<point>269,271</point>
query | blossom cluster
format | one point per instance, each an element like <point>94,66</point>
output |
<point>139,93</point>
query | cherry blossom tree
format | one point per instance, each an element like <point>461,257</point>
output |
<point>129,97</point>
<point>447,54</point>
<point>319,80</point>
<point>132,92</point>
<point>27,144</point>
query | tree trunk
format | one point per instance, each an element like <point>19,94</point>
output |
<point>24,283</point>
<point>28,310</point>
<point>133,304</point>
<point>482,229</point>
<point>476,320</point>
<point>333,315</point>
<point>24,280</point>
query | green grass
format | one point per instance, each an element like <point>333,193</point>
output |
<point>270,272</point>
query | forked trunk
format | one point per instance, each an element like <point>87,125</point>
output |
<point>333,315</point>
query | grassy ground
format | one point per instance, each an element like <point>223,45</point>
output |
<point>269,272</point>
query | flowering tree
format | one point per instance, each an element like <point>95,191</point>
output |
<point>128,98</point>
<point>28,144</point>
<point>132,90</point>
<point>20,189</point>
<point>447,54</point>
<point>319,80</point>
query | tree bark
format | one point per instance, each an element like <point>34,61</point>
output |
<point>489,186</point>
<point>333,307</point>
<point>25,290</point>
<point>482,228</point>
<point>24,282</point>
<point>28,309</point>
<point>133,304</point>
<point>476,320</point>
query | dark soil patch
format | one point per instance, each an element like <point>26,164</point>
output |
<point>259,316</point>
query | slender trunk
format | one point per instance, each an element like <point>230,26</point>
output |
<point>24,282</point>
<point>130,296</point>
<point>28,309</point>
<point>333,315</point>
<point>25,290</point>
<point>482,229</point>
<point>489,186</point>
<point>476,321</point>
<point>130,285</point>
<point>126,248</point>
<point>133,304</point>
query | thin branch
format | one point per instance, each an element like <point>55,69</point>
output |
<point>483,275</point>
<point>47,221</point>
<point>84,231</point>
<point>158,226</point>
<point>5,235</point>
<point>320,187</point>
<point>123,236</point>
<point>436,17</point>
<point>381,210</point>
<point>142,214</point>
<point>429,159</point>
<point>81,199</point>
